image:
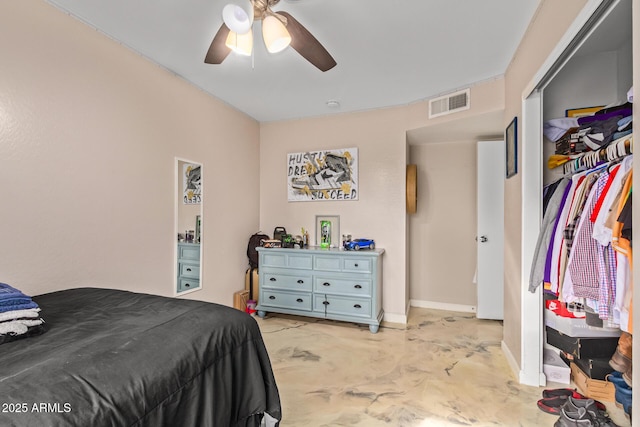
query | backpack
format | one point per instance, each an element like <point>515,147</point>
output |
<point>254,242</point>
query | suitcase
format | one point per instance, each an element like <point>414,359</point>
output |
<point>251,283</point>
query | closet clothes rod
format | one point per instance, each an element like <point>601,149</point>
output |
<point>614,151</point>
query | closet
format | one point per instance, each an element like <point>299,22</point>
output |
<point>596,74</point>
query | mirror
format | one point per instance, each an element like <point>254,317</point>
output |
<point>188,227</point>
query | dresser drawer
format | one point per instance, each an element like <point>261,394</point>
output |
<point>189,252</point>
<point>342,286</point>
<point>300,282</point>
<point>327,263</point>
<point>290,300</point>
<point>275,259</point>
<point>360,265</point>
<point>184,284</point>
<point>340,305</point>
<point>347,264</point>
<point>191,271</point>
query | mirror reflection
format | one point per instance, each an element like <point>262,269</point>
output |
<point>188,225</point>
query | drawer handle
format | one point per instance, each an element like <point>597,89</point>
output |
<point>188,269</point>
<point>325,302</point>
<point>356,264</point>
<point>273,279</point>
<point>326,284</point>
<point>299,300</point>
<point>272,297</point>
<point>301,281</point>
<point>358,286</point>
<point>186,285</point>
<point>357,306</point>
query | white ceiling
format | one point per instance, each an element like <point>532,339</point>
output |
<point>388,53</point>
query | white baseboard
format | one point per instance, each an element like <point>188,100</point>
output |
<point>443,306</point>
<point>513,364</point>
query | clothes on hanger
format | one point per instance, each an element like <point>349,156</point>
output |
<point>583,253</point>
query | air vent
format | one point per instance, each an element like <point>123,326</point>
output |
<point>447,104</point>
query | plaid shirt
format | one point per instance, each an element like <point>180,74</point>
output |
<point>570,230</point>
<point>583,260</point>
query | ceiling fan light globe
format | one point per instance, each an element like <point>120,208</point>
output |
<point>238,17</point>
<point>240,43</point>
<point>275,34</point>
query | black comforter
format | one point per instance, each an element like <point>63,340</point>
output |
<point>117,358</point>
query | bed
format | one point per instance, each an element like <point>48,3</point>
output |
<point>118,358</point>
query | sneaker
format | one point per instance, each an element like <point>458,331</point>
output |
<point>579,418</point>
<point>566,392</point>
<point>598,417</point>
<point>552,405</point>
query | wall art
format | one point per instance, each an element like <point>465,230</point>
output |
<point>323,175</point>
<point>191,184</point>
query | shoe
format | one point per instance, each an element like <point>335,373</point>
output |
<point>579,418</point>
<point>624,393</point>
<point>566,392</point>
<point>597,416</point>
<point>552,405</point>
<point>621,359</point>
<point>626,376</point>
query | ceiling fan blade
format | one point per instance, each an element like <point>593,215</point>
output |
<point>307,45</point>
<point>218,51</point>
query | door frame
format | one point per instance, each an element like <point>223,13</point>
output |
<point>531,318</point>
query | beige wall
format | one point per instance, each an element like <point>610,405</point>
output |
<point>379,212</point>
<point>383,138</point>
<point>547,27</point>
<point>88,135</point>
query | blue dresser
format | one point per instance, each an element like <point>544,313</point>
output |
<point>188,267</point>
<point>322,282</point>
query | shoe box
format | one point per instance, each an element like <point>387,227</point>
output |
<point>555,368</point>
<point>596,369</point>
<point>577,327</point>
<point>582,347</point>
<point>592,388</point>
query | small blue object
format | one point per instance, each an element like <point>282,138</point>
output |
<point>358,244</point>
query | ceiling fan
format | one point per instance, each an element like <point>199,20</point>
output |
<point>279,30</point>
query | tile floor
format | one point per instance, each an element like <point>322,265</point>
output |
<point>441,369</point>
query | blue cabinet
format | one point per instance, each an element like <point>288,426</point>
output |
<point>322,282</point>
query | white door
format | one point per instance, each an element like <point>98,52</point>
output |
<point>490,237</point>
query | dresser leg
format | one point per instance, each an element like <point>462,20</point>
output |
<point>374,328</point>
<point>262,313</point>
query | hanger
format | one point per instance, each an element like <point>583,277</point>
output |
<point>610,155</point>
